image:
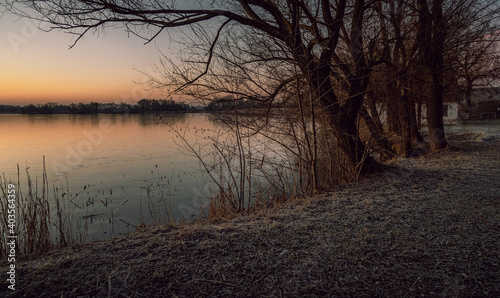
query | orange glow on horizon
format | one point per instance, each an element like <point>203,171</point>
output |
<point>64,90</point>
<point>38,67</point>
<point>41,83</point>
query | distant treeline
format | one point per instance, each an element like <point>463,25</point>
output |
<point>229,103</point>
<point>142,106</point>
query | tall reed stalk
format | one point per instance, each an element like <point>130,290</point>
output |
<point>36,229</point>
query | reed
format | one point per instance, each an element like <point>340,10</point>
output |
<point>38,230</point>
<point>158,207</point>
<point>242,178</point>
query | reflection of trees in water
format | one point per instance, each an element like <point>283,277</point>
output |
<point>148,119</point>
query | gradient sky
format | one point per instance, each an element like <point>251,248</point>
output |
<point>39,67</point>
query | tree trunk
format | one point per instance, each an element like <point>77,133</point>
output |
<point>414,124</point>
<point>432,45</point>
<point>380,143</point>
<point>393,124</point>
<point>435,115</point>
<point>343,122</point>
<point>374,114</point>
<point>317,72</point>
<point>405,115</point>
<point>435,103</point>
<point>468,97</point>
<point>415,133</point>
<point>419,114</point>
<point>358,162</point>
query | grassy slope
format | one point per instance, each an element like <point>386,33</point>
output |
<point>424,226</point>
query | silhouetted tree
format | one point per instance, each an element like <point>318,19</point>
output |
<point>324,49</point>
<point>309,31</point>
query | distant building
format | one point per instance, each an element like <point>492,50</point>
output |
<point>450,113</point>
<point>484,105</point>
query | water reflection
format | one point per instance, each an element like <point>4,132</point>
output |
<point>109,167</point>
<point>113,171</point>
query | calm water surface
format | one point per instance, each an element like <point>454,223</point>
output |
<point>111,166</point>
<point>120,169</point>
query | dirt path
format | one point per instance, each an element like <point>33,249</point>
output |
<point>426,226</point>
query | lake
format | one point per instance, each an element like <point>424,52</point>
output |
<point>113,172</point>
<point>111,168</point>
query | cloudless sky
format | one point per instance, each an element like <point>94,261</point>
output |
<point>38,67</point>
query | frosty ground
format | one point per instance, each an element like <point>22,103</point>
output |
<point>422,226</point>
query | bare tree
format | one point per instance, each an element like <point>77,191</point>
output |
<point>309,31</point>
<point>324,52</point>
<point>472,54</point>
<point>452,28</point>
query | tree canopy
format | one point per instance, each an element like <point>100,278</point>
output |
<point>334,60</point>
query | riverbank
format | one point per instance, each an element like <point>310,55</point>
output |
<point>424,226</point>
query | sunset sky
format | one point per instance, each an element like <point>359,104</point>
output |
<point>38,67</point>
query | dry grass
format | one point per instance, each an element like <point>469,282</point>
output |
<point>39,226</point>
<point>426,226</point>
<point>32,217</point>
